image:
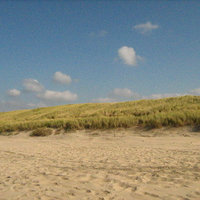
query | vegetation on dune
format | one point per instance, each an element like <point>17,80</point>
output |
<point>41,132</point>
<point>172,112</point>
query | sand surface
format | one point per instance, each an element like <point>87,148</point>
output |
<point>101,165</point>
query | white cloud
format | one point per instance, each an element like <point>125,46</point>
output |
<point>195,91</point>
<point>17,104</point>
<point>61,78</point>
<point>145,28</point>
<point>32,85</point>
<point>123,92</point>
<point>161,96</point>
<point>128,55</point>
<point>103,100</point>
<point>38,105</point>
<point>101,33</point>
<point>13,93</point>
<point>6,106</point>
<point>117,95</point>
<point>50,95</point>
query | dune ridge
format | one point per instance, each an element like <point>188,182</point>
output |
<point>157,113</point>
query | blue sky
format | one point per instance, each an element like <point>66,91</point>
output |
<point>66,52</point>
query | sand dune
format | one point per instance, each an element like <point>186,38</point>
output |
<point>101,165</point>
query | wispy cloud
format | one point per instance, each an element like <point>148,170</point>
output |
<point>101,33</point>
<point>61,78</point>
<point>146,28</point>
<point>118,94</point>
<point>10,105</point>
<point>32,85</point>
<point>103,100</point>
<point>129,56</point>
<point>161,96</point>
<point>123,92</point>
<point>195,91</point>
<point>13,93</point>
<point>37,105</point>
<point>54,96</point>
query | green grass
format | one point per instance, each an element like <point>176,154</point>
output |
<point>170,112</point>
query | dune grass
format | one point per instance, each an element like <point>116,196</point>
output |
<point>170,112</point>
<point>41,132</point>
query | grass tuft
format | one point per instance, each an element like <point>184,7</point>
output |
<point>41,132</point>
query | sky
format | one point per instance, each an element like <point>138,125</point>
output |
<point>59,52</point>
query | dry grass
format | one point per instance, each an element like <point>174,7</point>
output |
<point>41,132</point>
<point>171,112</point>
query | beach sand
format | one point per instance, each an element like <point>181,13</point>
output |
<point>113,164</point>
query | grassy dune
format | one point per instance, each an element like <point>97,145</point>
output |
<point>171,112</point>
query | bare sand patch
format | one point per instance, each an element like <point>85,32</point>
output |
<point>116,164</point>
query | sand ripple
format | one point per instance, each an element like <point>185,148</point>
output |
<point>99,166</point>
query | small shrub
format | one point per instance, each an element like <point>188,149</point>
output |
<point>41,132</point>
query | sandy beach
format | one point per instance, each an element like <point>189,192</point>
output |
<point>123,165</point>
